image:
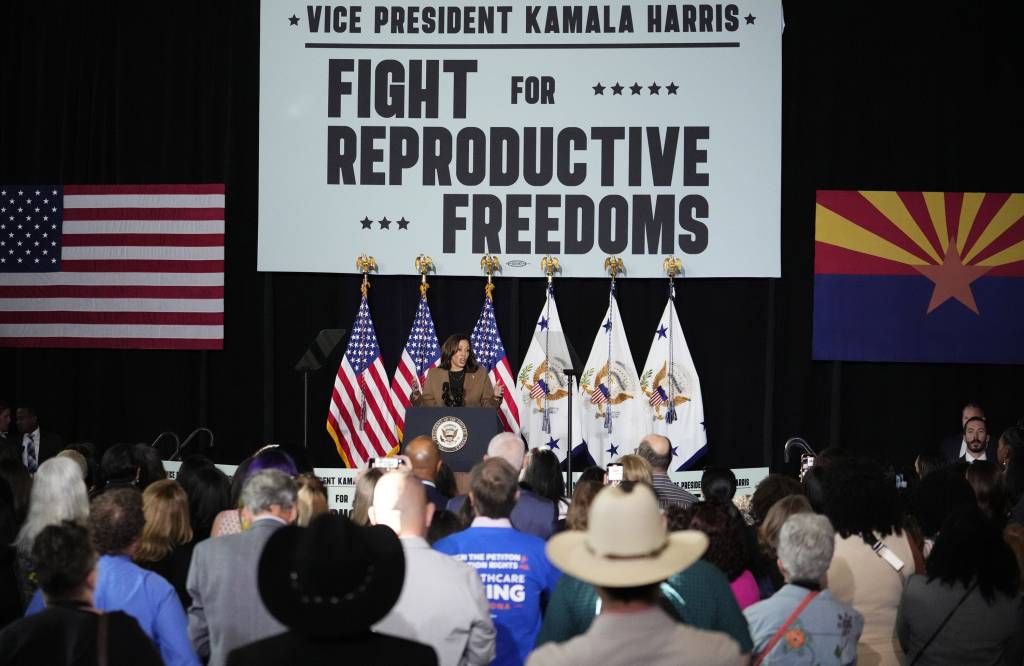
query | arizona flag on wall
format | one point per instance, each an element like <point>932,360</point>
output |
<point>919,277</point>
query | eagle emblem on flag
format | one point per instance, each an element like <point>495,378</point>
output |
<point>658,391</point>
<point>606,387</point>
<point>545,383</point>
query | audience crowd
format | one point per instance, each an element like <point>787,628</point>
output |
<point>105,560</point>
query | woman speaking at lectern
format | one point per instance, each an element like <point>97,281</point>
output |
<point>457,381</point>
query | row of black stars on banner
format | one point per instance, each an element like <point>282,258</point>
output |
<point>384,223</point>
<point>636,89</point>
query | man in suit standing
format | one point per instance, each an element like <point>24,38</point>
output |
<point>460,630</point>
<point>532,513</point>
<point>37,445</point>
<point>973,442</point>
<point>227,611</point>
<point>426,463</point>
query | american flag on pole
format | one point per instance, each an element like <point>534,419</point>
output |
<point>359,419</point>
<point>421,353</point>
<point>490,353</point>
<point>119,266</point>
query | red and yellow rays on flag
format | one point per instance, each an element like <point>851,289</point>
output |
<point>952,238</point>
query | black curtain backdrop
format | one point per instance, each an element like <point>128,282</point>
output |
<point>896,96</point>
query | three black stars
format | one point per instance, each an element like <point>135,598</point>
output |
<point>385,223</point>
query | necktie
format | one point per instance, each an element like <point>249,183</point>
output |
<point>30,455</point>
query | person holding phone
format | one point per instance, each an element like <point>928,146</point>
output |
<point>457,381</point>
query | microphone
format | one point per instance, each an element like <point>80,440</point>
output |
<point>569,372</point>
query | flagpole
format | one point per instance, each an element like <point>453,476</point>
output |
<point>673,266</point>
<point>364,264</point>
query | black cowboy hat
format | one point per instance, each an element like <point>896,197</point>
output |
<point>333,577</point>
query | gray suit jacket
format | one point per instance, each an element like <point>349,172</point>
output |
<point>226,610</point>
<point>442,605</point>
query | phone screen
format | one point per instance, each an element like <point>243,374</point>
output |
<point>385,463</point>
<point>615,472</point>
<point>806,462</point>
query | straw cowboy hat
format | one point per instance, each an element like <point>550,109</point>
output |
<point>626,544</point>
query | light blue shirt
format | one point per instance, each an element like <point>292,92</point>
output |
<point>826,632</point>
<point>123,585</point>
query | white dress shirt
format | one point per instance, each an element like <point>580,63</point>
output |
<point>35,446</point>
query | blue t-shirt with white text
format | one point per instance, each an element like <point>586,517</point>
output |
<point>517,577</point>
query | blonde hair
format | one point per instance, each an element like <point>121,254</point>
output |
<point>771,526</point>
<point>365,484</point>
<point>165,506</point>
<point>312,499</point>
<point>636,469</point>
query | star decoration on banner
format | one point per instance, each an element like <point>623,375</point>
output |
<point>612,450</point>
<point>384,223</point>
<point>952,280</point>
<point>607,326</point>
<point>543,323</point>
<point>654,88</point>
<point>750,18</point>
<point>366,222</point>
<point>293,20</point>
<point>598,89</point>
<point>675,451</point>
<point>552,443</point>
<point>616,89</point>
<point>636,88</point>
<point>403,223</point>
<point>662,331</point>
<point>672,88</point>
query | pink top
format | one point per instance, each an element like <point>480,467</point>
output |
<point>744,588</point>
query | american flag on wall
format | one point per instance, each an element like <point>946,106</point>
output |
<point>490,354</point>
<point>118,266</point>
<point>359,419</point>
<point>420,354</point>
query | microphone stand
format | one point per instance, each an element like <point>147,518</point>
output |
<point>189,438</point>
<point>569,374</point>
<point>798,442</point>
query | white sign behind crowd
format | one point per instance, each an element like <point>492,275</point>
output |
<point>341,482</point>
<point>522,130</point>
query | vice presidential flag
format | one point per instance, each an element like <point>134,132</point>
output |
<point>421,353</point>
<point>125,266</point>
<point>542,387</point>
<point>919,276</point>
<point>670,385</point>
<point>490,354</point>
<point>615,413</point>
<point>359,419</point>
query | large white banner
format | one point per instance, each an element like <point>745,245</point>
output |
<point>580,130</point>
